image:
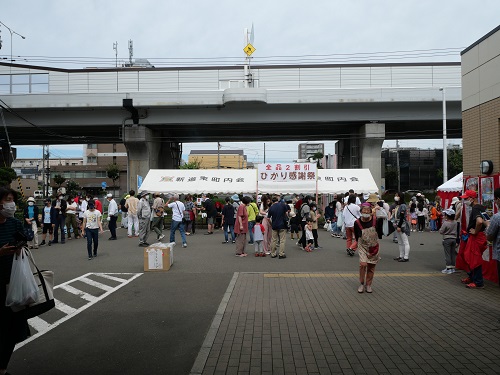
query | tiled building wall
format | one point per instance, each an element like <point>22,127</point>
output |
<point>481,136</point>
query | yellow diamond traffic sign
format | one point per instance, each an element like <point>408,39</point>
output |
<point>249,49</point>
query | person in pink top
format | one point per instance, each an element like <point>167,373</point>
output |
<point>241,227</point>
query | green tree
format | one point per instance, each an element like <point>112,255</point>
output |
<point>113,172</point>
<point>195,164</point>
<point>72,188</point>
<point>59,180</point>
<point>7,175</point>
<point>455,161</point>
<point>318,156</point>
<point>391,178</point>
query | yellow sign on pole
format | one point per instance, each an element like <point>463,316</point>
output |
<point>249,49</point>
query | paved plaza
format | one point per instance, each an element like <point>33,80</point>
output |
<point>214,313</point>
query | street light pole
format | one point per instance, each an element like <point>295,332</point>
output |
<point>445,143</point>
<point>12,32</point>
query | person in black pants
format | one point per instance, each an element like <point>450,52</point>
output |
<point>60,206</point>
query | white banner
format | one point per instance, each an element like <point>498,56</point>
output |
<point>285,172</point>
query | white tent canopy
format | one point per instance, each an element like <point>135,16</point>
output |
<point>230,181</point>
<point>453,184</point>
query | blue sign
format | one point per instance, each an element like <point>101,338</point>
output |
<point>104,185</point>
<point>139,181</point>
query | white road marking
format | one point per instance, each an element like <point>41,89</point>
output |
<point>99,285</point>
<point>43,327</point>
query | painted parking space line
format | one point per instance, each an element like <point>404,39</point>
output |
<point>42,326</point>
<point>381,274</point>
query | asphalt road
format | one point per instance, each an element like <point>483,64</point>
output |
<point>156,324</point>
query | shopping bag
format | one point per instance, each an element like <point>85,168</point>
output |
<point>340,220</point>
<point>28,232</point>
<point>45,292</point>
<point>385,227</point>
<point>22,289</point>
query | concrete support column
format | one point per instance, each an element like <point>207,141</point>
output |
<point>142,152</point>
<point>372,137</point>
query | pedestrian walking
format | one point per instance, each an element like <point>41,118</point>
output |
<point>92,225</point>
<point>402,227</point>
<point>367,234</point>
<point>241,227</point>
<point>178,209</point>
<point>144,218</point>
<point>112,215</point>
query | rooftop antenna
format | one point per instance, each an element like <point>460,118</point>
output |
<point>130,51</point>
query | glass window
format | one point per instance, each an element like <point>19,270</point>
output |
<point>39,78</point>
<point>40,88</point>
<point>79,175</point>
<point>92,145</point>
<point>4,79</point>
<point>4,89</point>
<point>20,79</point>
<point>101,174</point>
<point>20,89</point>
<point>91,159</point>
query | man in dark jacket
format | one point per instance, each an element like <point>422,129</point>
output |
<point>60,206</point>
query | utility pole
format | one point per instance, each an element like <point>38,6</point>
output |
<point>445,144</point>
<point>397,164</point>
<point>115,48</point>
<point>47,171</point>
<point>130,51</point>
<point>264,152</point>
<point>218,155</point>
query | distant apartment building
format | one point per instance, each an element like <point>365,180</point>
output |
<point>33,168</point>
<point>213,159</point>
<point>91,175</point>
<point>307,150</point>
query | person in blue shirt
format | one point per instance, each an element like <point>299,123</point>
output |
<point>48,222</point>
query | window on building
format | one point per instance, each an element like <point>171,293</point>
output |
<point>101,174</point>
<point>91,159</point>
<point>92,145</point>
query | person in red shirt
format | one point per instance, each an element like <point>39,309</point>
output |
<point>98,205</point>
<point>241,227</point>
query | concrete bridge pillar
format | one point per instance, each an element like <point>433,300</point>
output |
<point>145,151</point>
<point>372,137</point>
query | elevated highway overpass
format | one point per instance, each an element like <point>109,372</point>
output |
<point>153,111</point>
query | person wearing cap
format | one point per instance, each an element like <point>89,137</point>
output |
<point>48,222</point>
<point>144,217</point>
<point>475,242</point>
<point>456,204</point>
<point>112,215</point>
<point>31,221</point>
<point>449,231</point>
<point>158,210</point>
<point>131,205</point>
<point>178,209</point>
<point>92,225</point>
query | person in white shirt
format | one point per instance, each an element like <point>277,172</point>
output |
<point>112,215</point>
<point>351,192</point>
<point>351,214</point>
<point>92,225</point>
<point>144,217</point>
<point>177,214</point>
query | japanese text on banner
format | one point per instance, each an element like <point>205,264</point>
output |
<point>283,172</point>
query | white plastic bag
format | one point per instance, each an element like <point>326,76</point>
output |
<point>385,227</point>
<point>22,289</point>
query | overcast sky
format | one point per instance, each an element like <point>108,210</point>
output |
<point>75,34</point>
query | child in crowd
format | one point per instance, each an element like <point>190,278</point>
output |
<point>413,217</point>
<point>294,225</point>
<point>258,236</point>
<point>449,232</point>
<point>309,236</point>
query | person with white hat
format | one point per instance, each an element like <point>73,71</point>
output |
<point>456,204</point>
<point>112,215</point>
<point>31,222</point>
<point>449,231</point>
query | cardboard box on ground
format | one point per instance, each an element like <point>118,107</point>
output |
<point>159,257</point>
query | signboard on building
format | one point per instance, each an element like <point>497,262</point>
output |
<point>284,172</point>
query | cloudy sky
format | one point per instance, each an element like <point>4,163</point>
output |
<point>75,34</point>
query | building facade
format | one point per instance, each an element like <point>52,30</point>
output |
<point>307,150</point>
<point>481,103</point>
<point>213,159</point>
